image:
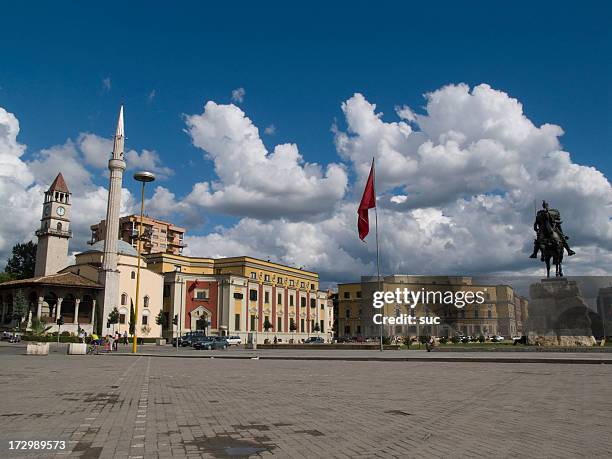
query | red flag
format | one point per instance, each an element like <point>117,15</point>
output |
<point>368,201</point>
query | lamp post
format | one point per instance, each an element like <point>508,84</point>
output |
<point>177,270</point>
<point>142,177</point>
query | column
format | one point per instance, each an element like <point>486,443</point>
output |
<point>41,300</point>
<point>77,301</point>
<point>93,311</point>
<point>58,308</point>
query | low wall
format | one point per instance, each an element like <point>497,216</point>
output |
<point>348,346</point>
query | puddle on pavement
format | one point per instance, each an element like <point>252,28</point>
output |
<point>225,446</point>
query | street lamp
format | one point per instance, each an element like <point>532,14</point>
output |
<point>177,270</point>
<point>142,177</point>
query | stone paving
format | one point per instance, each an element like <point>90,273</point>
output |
<point>140,407</point>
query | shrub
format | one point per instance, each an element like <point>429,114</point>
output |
<point>443,340</point>
<point>455,340</point>
<point>481,339</point>
<point>465,340</point>
<point>424,339</point>
<point>406,340</point>
<point>386,340</point>
<point>65,333</point>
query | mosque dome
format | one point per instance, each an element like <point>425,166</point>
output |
<point>123,248</point>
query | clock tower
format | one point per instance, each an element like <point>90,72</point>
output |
<point>54,232</point>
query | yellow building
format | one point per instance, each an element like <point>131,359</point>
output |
<point>242,296</point>
<point>500,312</point>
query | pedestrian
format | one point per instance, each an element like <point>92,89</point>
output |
<point>111,343</point>
<point>82,335</point>
<point>125,338</point>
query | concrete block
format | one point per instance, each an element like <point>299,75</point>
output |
<point>77,349</point>
<point>37,349</point>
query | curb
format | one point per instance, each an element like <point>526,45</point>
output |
<point>548,360</point>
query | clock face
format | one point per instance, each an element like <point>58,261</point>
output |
<point>60,211</point>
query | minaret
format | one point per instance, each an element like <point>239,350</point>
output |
<point>110,274</point>
<point>54,232</point>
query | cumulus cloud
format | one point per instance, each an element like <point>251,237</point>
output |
<point>253,181</point>
<point>24,183</point>
<point>238,95</point>
<point>270,130</point>
<point>97,151</point>
<point>456,186</point>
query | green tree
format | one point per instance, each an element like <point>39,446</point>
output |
<point>316,328</point>
<point>5,277</point>
<point>20,307</point>
<point>113,317</point>
<point>22,261</point>
<point>292,326</point>
<point>267,325</point>
<point>132,318</point>
<point>39,327</point>
<point>161,319</point>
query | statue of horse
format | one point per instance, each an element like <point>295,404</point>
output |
<point>552,249</point>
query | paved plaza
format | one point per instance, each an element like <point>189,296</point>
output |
<point>145,406</point>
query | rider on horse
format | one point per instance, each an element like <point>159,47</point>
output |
<point>547,223</point>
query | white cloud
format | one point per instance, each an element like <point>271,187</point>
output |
<point>270,130</point>
<point>148,160</point>
<point>238,95</point>
<point>456,188</point>
<point>151,95</point>
<point>106,84</point>
<point>252,181</point>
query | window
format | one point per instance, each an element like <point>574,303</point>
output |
<point>252,322</point>
<point>475,313</point>
<point>291,300</point>
<point>302,302</point>
<point>238,296</point>
<point>279,280</point>
<point>359,329</point>
<point>145,302</point>
<point>236,321</point>
<point>253,275</point>
<point>201,294</point>
<point>133,275</point>
<point>489,314</point>
<point>301,325</point>
<point>347,295</point>
<point>312,287</point>
<point>322,305</point>
<point>267,277</point>
<point>253,295</point>
<point>313,303</point>
<point>122,319</point>
<point>322,326</point>
<point>291,283</point>
<point>359,294</point>
<point>360,312</point>
<point>145,320</point>
<point>279,298</point>
<point>348,313</point>
<point>59,226</point>
<point>301,284</point>
<point>347,330</point>
<point>166,291</point>
<point>279,324</point>
<point>267,297</point>
<point>123,299</point>
<point>311,324</point>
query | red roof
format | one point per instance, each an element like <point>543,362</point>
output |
<point>59,184</point>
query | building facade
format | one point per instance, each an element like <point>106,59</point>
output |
<point>158,235</point>
<point>604,309</point>
<point>243,296</point>
<point>501,313</point>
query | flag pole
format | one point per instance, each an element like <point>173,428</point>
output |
<point>377,251</point>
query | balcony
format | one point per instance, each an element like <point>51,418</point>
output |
<point>54,232</point>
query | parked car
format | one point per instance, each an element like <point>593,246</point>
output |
<point>315,340</point>
<point>211,342</point>
<point>189,338</point>
<point>233,340</point>
<point>497,338</point>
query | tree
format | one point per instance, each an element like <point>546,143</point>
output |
<point>22,261</point>
<point>20,307</point>
<point>5,277</point>
<point>113,317</point>
<point>316,328</point>
<point>292,326</point>
<point>132,318</point>
<point>162,319</point>
<point>39,327</point>
<point>267,325</point>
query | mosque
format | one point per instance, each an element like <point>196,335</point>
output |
<point>102,277</point>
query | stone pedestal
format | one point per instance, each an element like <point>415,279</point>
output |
<point>77,349</point>
<point>558,315</point>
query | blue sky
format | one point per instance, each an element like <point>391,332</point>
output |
<point>297,65</point>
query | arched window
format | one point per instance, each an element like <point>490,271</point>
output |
<point>59,226</point>
<point>146,301</point>
<point>123,299</point>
